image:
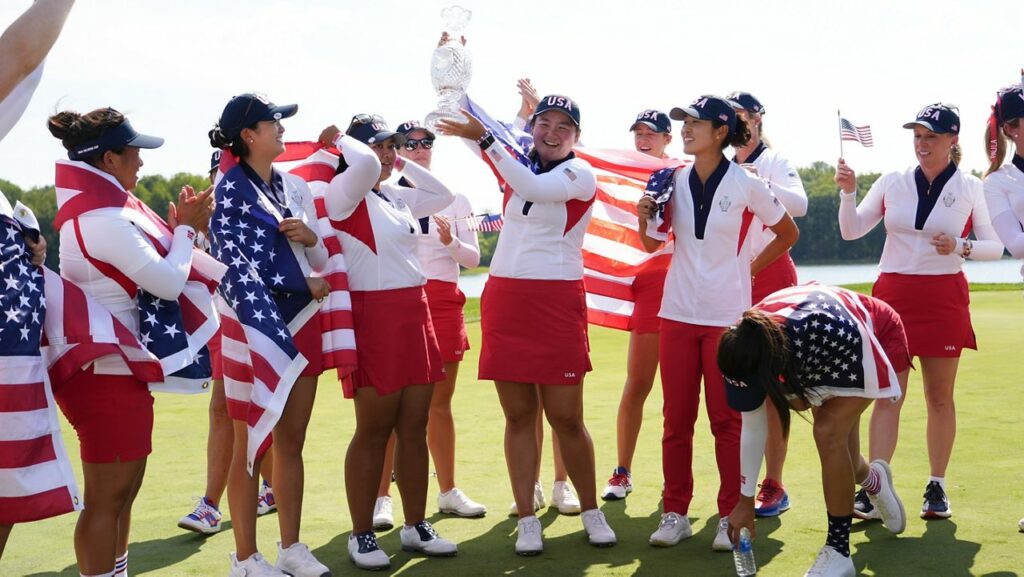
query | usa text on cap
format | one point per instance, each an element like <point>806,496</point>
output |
<point>115,138</point>
<point>746,101</point>
<point>563,104</point>
<point>708,107</point>
<point>409,126</point>
<point>371,129</point>
<point>247,109</point>
<point>939,118</point>
<point>656,120</point>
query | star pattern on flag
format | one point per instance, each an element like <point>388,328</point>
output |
<point>22,304</point>
<point>826,342</point>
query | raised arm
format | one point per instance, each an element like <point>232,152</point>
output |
<point>856,221</point>
<point>561,185</point>
<point>28,40</point>
<point>348,189</point>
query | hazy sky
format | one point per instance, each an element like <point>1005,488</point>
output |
<point>172,65</point>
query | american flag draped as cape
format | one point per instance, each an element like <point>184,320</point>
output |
<point>612,252</point>
<point>834,340</point>
<point>36,478</point>
<point>261,362</point>
<point>176,332</point>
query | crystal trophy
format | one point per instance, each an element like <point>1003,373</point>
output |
<point>451,68</point>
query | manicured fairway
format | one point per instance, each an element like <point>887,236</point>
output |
<point>986,485</point>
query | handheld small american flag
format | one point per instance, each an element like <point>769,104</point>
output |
<point>833,337</point>
<point>36,478</point>
<point>612,251</point>
<point>861,134</point>
<point>486,223</point>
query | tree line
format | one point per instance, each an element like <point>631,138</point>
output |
<point>820,242</point>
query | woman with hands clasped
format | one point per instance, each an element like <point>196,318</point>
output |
<point>928,211</point>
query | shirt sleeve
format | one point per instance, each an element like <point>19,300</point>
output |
<point>464,248</point>
<point>752,441</point>
<point>1004,221</point>
<point>116,241</point>
<point>430,195</point>
<point>763,203</point>
<point>988,246</point>
<point>348,189</point>
<point>316,254</point>
<point>786,185</point>
<point>856,220</point>
<point>566,182</point>
<point>14,105</point>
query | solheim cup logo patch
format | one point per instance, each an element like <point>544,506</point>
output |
<point>724,204</point>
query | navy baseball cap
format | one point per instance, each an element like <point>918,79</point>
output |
<point>247,109</point>
<point>743,396</point>
<point>745,101</point>
<point>115,138</point>
<point>656,120</point>
<point>563,104</point>
<point>939,118</point>
<point>409,126</point>
<point>708,107</point>
<point>371,129</point>
<point>1009,104</point>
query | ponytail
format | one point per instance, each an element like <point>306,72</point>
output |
<point>956,153</point>
<point>237,146</point>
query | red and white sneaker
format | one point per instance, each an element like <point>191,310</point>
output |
<point>620,485</point>
<point>265,502</point>
<point>772,500</point>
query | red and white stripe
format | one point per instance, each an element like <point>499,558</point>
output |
<point>612,252</point>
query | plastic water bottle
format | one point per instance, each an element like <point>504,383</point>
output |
<point>743,555</point>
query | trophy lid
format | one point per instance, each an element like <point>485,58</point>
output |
<point>455,18</point>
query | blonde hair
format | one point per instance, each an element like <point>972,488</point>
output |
<point>996,145</point>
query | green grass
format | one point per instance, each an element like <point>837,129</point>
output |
<point>986,484</point>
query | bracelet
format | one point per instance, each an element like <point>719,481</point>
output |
<point>967,248</point>
<point>485,141</point>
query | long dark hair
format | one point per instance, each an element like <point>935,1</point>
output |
<point>738,137</point>
<point>74,129</point>
<point>237,146</point>
<point>757,351</point>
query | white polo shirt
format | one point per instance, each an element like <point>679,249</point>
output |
<point>379,230</point>
<point>911,220</point>
<point>784,181</point>
<point>546,217</point>
<point>1004,194</point>
<point>440,261</point>
<point>708,282</point>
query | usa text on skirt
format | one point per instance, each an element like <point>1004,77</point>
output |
<point>396,345</point>
<point>446,304</point>
<point>935,310</point>
<point>534,331</point>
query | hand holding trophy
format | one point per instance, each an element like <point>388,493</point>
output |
<point>451,67</point>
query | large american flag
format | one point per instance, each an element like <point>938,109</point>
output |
<point>834,341</point>
<point>861,134</point>
<point>175,331</point>
<point>612,252</point>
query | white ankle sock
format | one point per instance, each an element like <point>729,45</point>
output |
<point>121,566</point>
<point>940,480</point>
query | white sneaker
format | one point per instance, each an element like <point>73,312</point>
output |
<point>422,538</point>
<point>254,566</point>
<point>598,531</point>
<point>298,561</point>
<point>564,499</point>
<point>722,542</point>
<point>265,502</point>
<point>364,552</point>
<point>205,518</point>
<point>672,529</point>
<point>383,514</point>
<point>538,501</point>
<point>831,563</point>
<point>888,503</point>
<point>455,502</point>
<point>530,540</point>
<point>1020,525</point>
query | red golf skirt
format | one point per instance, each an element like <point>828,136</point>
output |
<point>534,331</point>
<point>780,274</point>
<point>396,345</point>
<point>112,415</point>
<point>935,310</point>
<point>446,302</point>
<point>890,332</point>
<point>648,288</point>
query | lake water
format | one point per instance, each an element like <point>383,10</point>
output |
<point>999,271</point>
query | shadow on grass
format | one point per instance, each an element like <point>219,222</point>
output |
<point>936,552</point>
<point>155,554</point>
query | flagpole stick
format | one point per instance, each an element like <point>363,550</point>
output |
<point>839,119</point>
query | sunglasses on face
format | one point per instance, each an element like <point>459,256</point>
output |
<point>413,144</point>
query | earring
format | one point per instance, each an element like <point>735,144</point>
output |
<point>250,141</point>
